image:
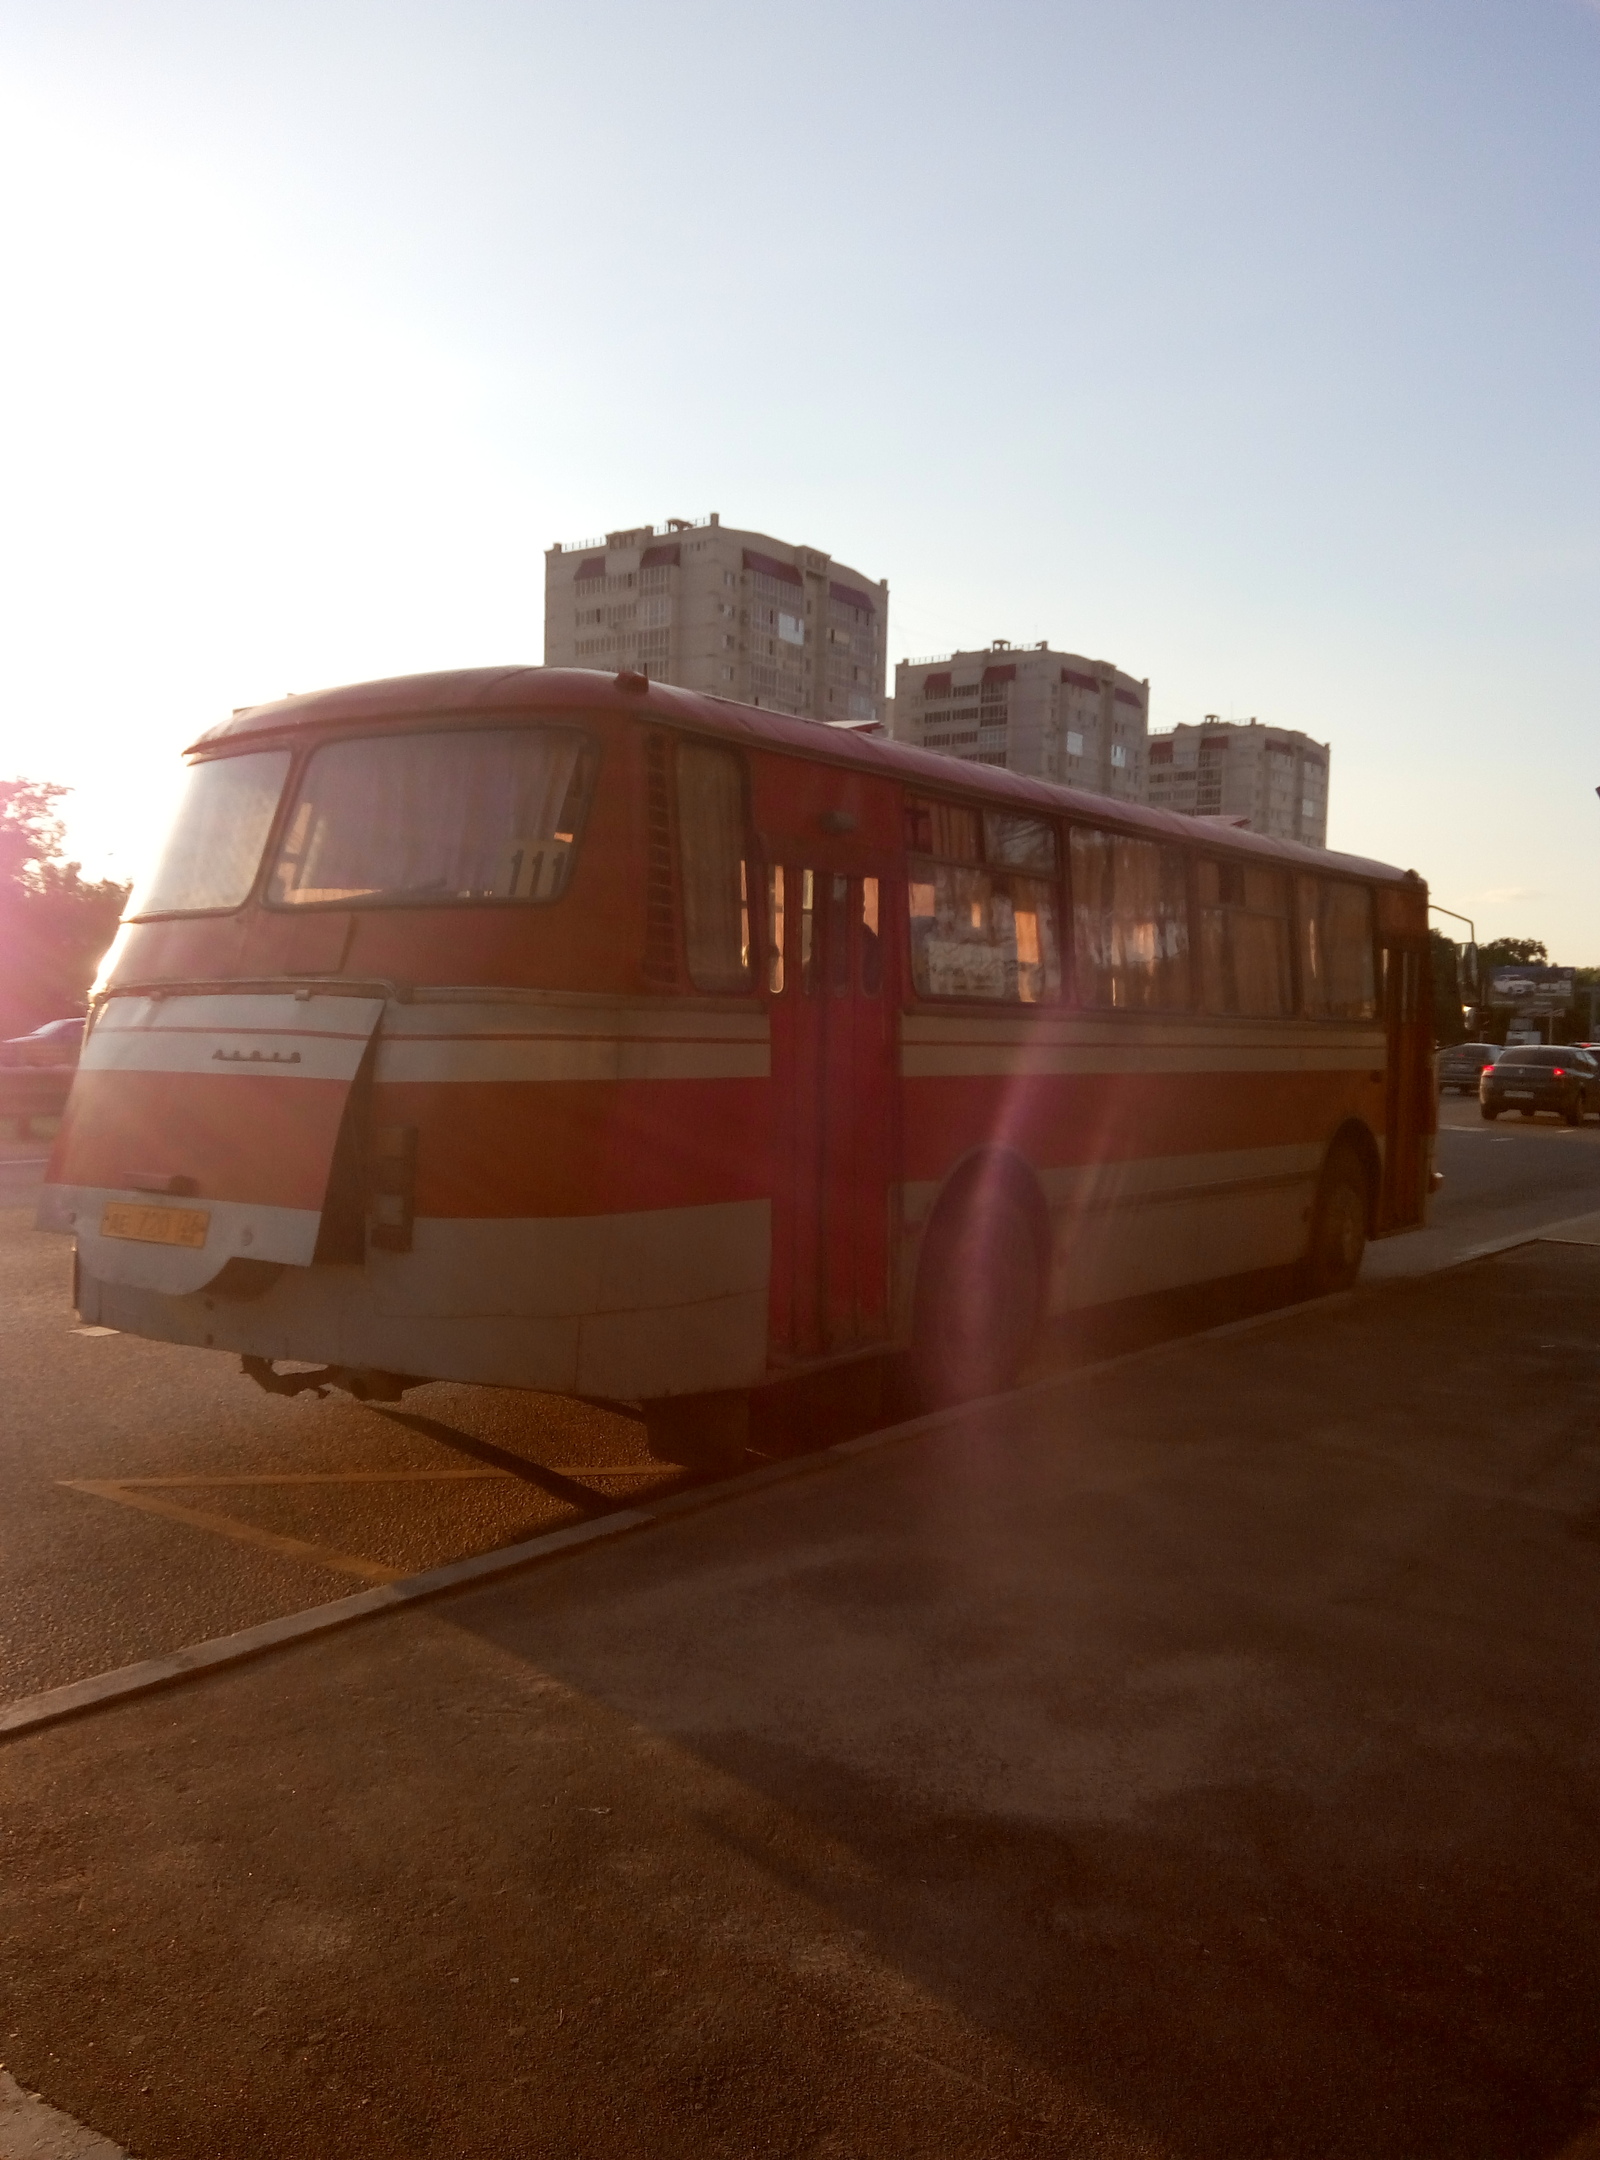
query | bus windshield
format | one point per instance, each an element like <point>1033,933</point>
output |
<point>213,846</point>
<point>471,814</point>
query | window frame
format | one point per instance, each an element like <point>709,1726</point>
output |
<point>269,844</point>
<point>979,811</point>
<point>1287,874</point>
<point>1190,855</point>
<point>593,751</point>
<point>1306,874</point>
<point>757,870</point>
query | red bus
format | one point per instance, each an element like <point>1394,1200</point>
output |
<point>547,1029</point>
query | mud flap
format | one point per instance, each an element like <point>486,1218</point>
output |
<point>202,1129</point>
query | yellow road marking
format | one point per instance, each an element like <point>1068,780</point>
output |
<point>290,1548</point>
<point>142,1493</point>
<point>386,1477</point>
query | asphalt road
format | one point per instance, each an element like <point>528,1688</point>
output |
<point>1191,1760</point>
<point>1497,1174</point>
<point>151,1497</point>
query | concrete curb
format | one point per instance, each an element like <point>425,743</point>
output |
<point>32,2130</point>
<point>31,1712</point>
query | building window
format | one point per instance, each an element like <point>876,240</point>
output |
<point>1074,743</point>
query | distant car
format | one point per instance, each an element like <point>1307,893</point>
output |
<point>1560,1077</point>
<point>1463,1064</point>
<point>56,1043</point>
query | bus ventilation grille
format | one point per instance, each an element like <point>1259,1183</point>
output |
<point>660,925</point>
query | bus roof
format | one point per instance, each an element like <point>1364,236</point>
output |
<point>478,692</point>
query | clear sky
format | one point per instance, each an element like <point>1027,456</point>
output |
<point>1251,344</point>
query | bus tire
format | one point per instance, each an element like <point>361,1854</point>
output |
<point>707,1433</point>
<point>1338,1224</point>
<point>980,1290</point>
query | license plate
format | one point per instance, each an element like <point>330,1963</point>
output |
<point>155,1225</point>
<point>1519,1094</point>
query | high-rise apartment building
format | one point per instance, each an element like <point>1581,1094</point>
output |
<point>1031,709</point>
<point>738,614</point>
<point>1270,779</point>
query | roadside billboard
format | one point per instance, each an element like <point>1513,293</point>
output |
<point>1538,992</point>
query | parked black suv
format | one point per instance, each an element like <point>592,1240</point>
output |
<point>1562,1078</point>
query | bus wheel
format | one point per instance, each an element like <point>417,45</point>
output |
<point>1338,1225</point>
<point>699,1432</point>
<point>979,1291</point>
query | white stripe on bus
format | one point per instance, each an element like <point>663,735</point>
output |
<point>1140,1180</point>
<point>980,1060</point>
<point>1132,1030</point>
<point>565,1058</point>
<point>281,1035</point>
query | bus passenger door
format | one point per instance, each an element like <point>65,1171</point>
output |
<point>835,1141</point>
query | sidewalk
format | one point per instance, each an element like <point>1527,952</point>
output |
<point>1193,1758</point>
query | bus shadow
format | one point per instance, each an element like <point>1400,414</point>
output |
<point>819,1409</point>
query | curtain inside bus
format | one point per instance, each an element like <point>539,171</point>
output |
<point>715,868</point>
<point>978,929</point>
<point>1130,922</point>
<point>473,814</point>
<point>1337,977</point>
<point>1244,940</point>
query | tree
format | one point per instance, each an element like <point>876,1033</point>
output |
<point>1449,1021</point>
<point>1513,952</point>
<point>30,830</point>
<point>54,922</point>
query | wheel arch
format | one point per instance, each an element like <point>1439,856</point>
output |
<point>982,1170</point>
<point>1355,1137</point>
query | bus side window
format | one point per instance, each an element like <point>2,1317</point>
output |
<point>839,935</point>
<point>1130,922</point>
<point>871,940</point>
<point>1244,939</point>
<point>1337,980</point>
<point>775,925</point>
<point>979,928</point>
<point>714,866</point>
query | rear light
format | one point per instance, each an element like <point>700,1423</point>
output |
<point>1558,1072</point>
